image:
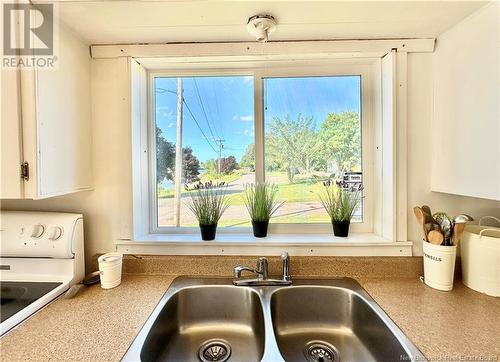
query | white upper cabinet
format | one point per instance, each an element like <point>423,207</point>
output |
<point>11,185</point>
<point>48,125</point>
<point>466,121</point>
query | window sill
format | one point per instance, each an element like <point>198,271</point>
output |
<point>357,244</point>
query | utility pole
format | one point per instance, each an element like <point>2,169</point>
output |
<point>178,157</point>
<point>219,142</point>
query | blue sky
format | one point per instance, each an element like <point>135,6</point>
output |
<point>223,107</point>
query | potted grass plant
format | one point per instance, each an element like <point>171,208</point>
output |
<point>208,205</point>
<point>260,200</point>
<point>340,205</point>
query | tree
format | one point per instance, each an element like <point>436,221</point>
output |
<point>290,145</point>
<point>210,167</point>
<point>191,165</point>
<point>340,137</point>
<point>228,164</point>
<point>248,159</point>
<point>165,157</point>
<point>165,161</point>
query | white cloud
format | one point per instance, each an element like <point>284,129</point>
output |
<point>248,117</point>
<point>168,115</point>
<point>245,118</point>
<point>171,124</point>
<point>248,79</point>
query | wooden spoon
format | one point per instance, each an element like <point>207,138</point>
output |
<point>419,214</point>
<point>458,229</point>
<point>435,237</point>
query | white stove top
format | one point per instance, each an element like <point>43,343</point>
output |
<point>41,257</point>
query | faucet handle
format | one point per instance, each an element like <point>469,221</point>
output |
<point>237,271</point>
<point>240,268</point>
<point>262,267</point>
<point>286,265</point>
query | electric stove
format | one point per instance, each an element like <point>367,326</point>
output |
<point>41,258</point>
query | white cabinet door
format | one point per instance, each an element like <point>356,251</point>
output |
<point>64,120</point>
<point>46,122</point>
<point>11,153</point>
<point>466,122</point>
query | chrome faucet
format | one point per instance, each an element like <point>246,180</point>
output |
<point>262,273</point>
<point>286,265</point>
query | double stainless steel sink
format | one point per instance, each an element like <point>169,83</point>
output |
<point>205,319</point>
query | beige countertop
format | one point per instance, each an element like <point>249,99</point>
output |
<point>99,325</point>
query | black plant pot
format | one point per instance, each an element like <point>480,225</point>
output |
<point>260,228</point>
<point>340,228</point>
<point>208,232</point>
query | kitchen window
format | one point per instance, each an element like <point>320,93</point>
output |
<point>296,128</point>
<point>211,119</point>
<point>312,136</point>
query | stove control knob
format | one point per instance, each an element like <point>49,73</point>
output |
<point>38,231</point>
<point>56,233</point>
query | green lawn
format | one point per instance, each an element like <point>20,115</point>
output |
<point>302,191</point>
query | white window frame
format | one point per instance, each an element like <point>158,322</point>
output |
<point>365,68</point>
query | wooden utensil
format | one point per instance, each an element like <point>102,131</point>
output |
<point>435,237</point>
<point>428,218</point>
<point>419,214</point>
<point>427,210</point>
<point>458,229</point>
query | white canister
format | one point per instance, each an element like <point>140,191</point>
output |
<point>110,268</point>
<point>480,251</point>
<point>439,265</point>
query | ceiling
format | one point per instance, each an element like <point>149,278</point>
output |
<point>119,22</point>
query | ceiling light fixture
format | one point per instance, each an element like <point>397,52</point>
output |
<point>261,26</point>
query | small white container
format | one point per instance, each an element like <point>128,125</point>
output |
<point>110,268</point>
<point>480,251</point>
<point>439,265</point>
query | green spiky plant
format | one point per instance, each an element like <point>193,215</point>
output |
<point>339,203</point>
<point>208,205</point>
<point>260,200</point>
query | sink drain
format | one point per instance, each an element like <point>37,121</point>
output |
<point>319,351</point>
<point>214,350</point>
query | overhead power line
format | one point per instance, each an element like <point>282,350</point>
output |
<point>218,110</point>
<point>199,127</point>
<point>203,109</point>
<point>162,90</point>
